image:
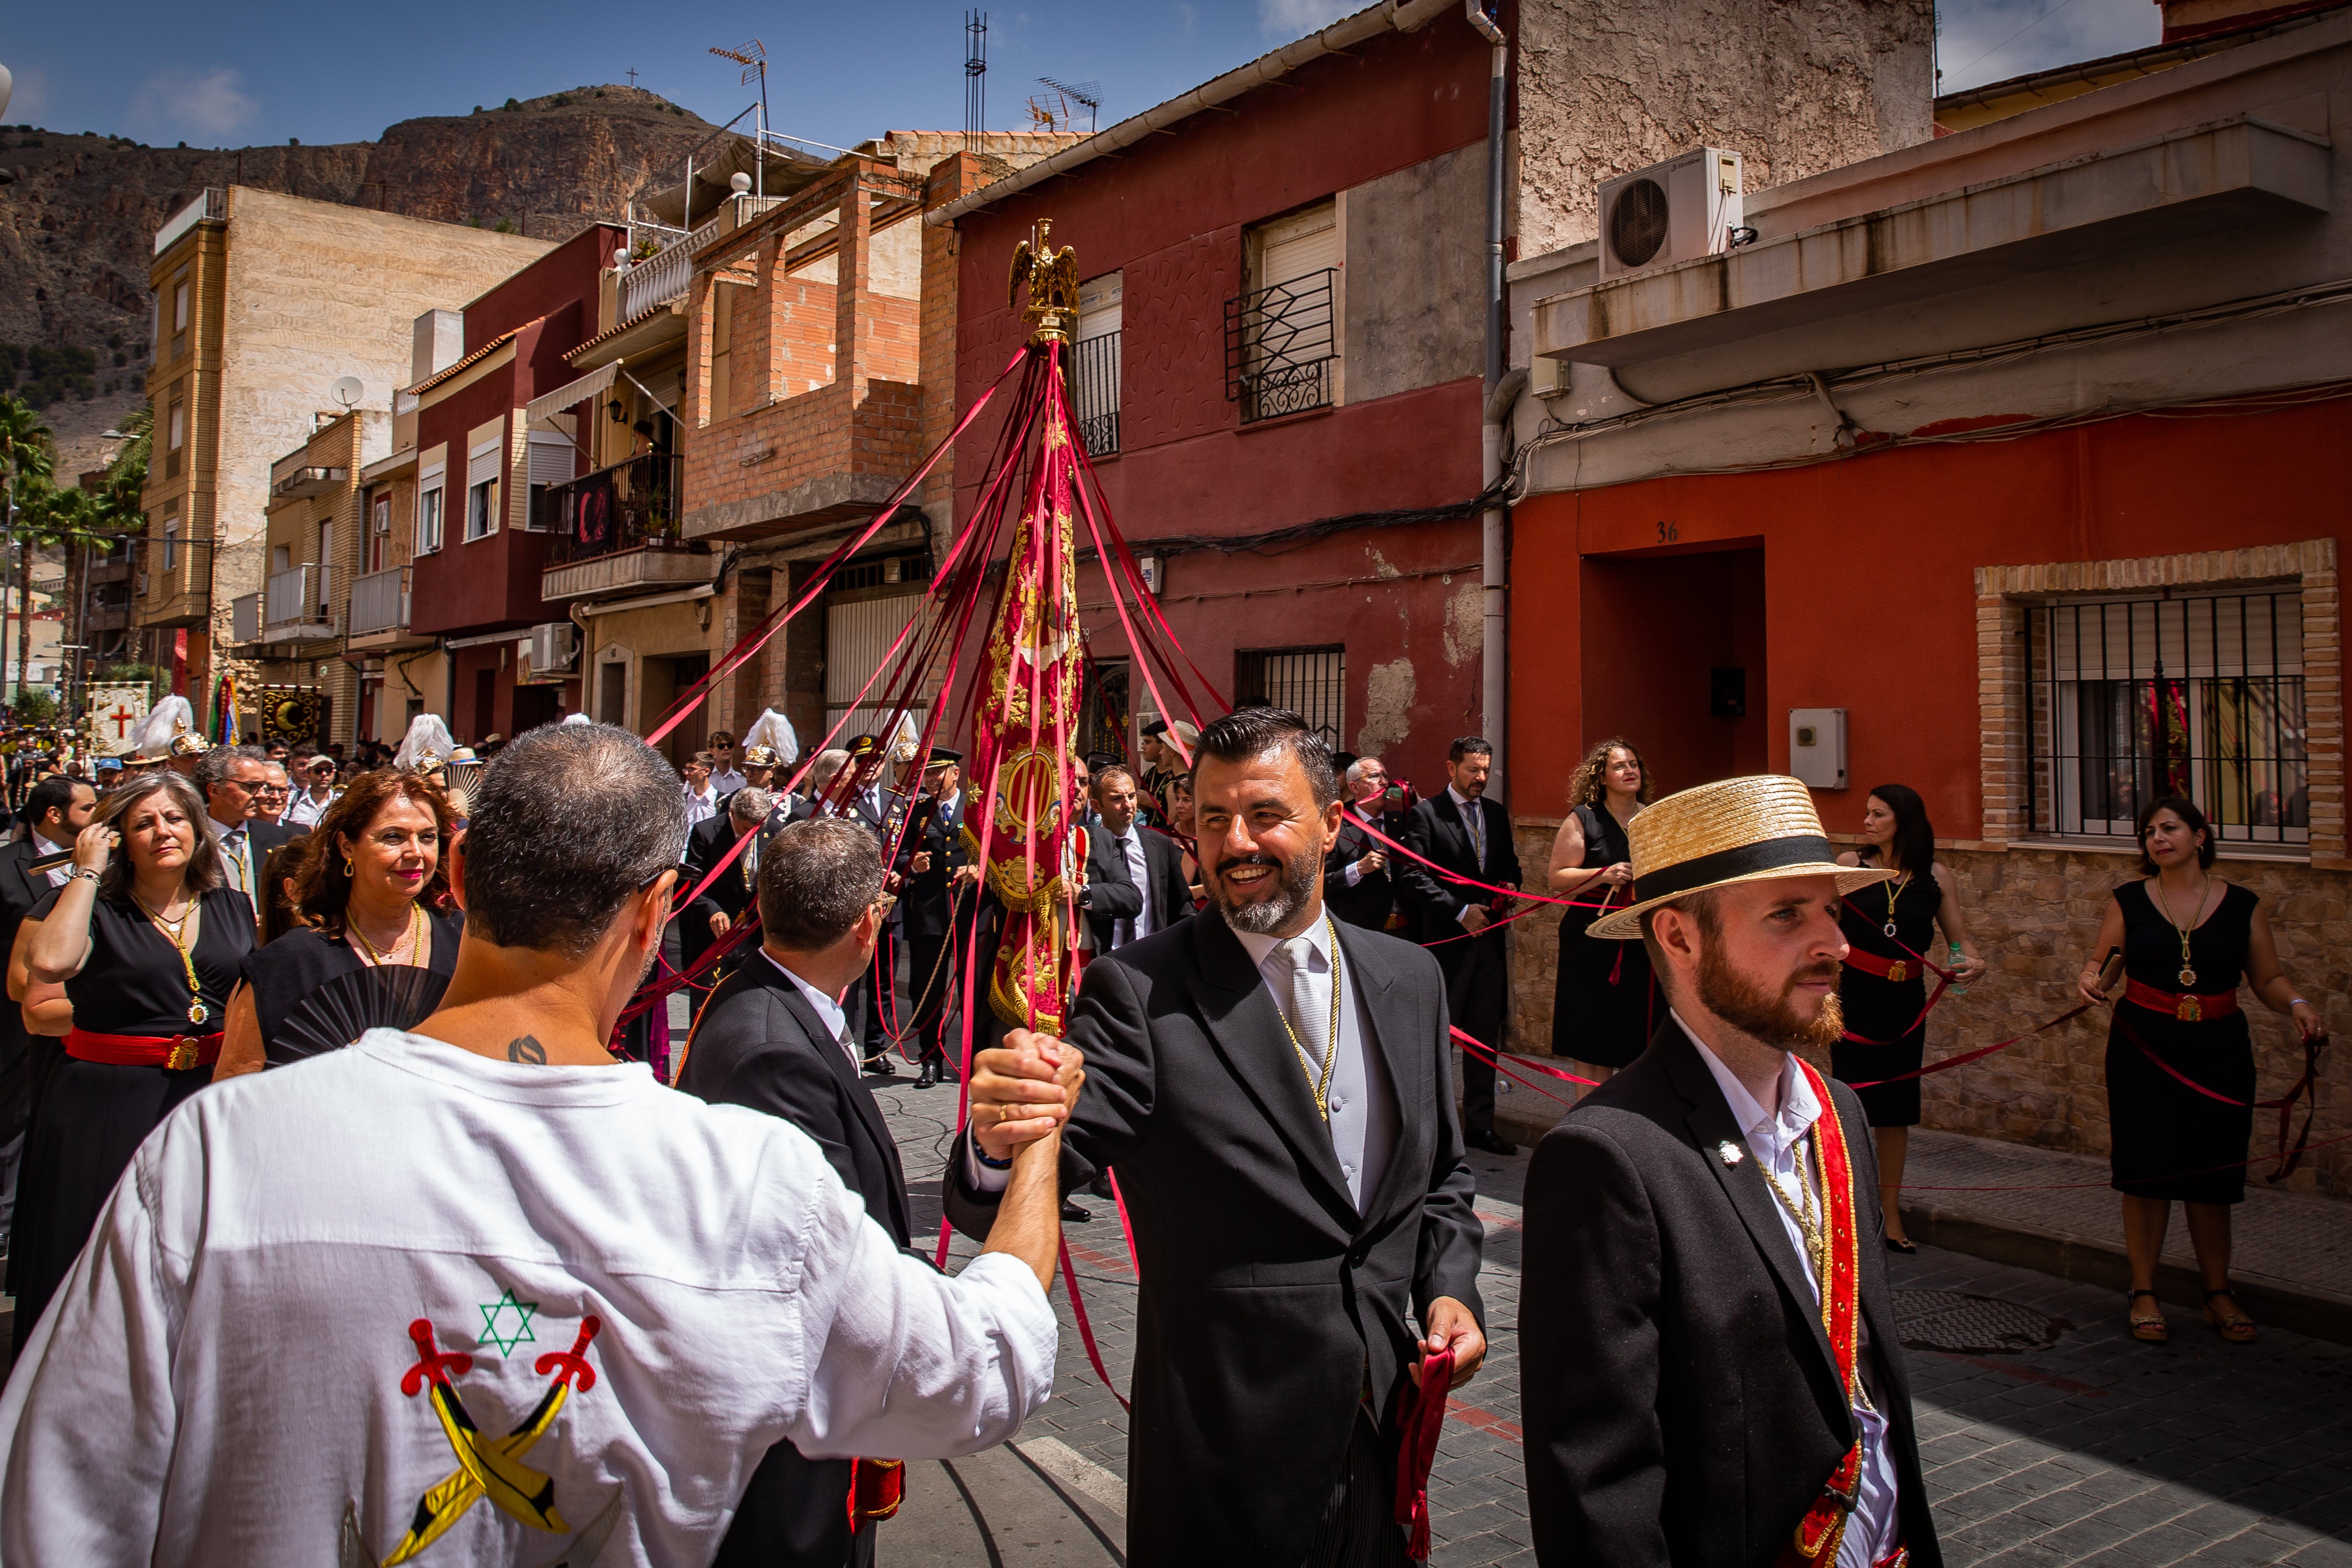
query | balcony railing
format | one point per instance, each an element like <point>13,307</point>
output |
<point>1094,388</point>
<point>1280,348</point>
<point>212,203</point>
<point>632,505</point>
<point>379,601</point>
<point>665,275</point>
<point>297,601</point>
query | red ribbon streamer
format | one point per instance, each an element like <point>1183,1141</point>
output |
<point>2284,1104</point>
<point>1422,1413</point>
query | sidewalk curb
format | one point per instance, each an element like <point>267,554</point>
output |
<point>2298,1308</point>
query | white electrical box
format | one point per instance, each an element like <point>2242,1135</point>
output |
<point>1817,746</point>
<point>1671,212</point>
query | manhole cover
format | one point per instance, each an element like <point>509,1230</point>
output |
<point>1972,1325</point>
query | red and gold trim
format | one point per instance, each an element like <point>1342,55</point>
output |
<point>177,1052</point>
<point>1895,969</point>
<point>1817,1534</point>
<point>2185,1005</point>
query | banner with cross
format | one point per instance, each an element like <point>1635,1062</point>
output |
<point>111,714</point>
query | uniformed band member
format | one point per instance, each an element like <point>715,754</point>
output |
<point>939,903</point>
<point>759,771</point>
<point>862,799</point>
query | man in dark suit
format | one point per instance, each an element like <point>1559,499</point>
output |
<point>1357,879</point>
<point>233,778</point>
<point>1274,1089</point>
<point>938,903</point>
<point>1713,1374</point>
<point>715,910</point>
<point>56,811</point>
<point>1135,877</point>
<point>1464,833</point>
<point>774,1037</point>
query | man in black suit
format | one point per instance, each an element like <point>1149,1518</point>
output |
<point>1135,877</point>
<point>1274,1089</point>
<point>1470,836</point>
<point>56,811</point>
<point>715,909</point>
<point>774,1037</point>
<point>1690,1396</point>
<point>939,903</point>
<point>233,778</point>
<point>1357,879</point>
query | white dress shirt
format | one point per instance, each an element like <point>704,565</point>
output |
<point>304,811</point>
<point>743,1297</point>
<point>726,781</point>
<point>701,807</point>
<point>1778,1142</point>
<point>42,850</point>
<point>828,1011</point>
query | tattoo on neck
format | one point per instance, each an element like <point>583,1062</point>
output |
<point>527,1049</point>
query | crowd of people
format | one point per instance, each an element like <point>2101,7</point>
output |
<point>1279,947</point>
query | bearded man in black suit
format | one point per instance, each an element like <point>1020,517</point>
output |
<point>1274,1089</point>
<point>1464,833</point>
<point>1713,1372</point>
<point>774,1037</point>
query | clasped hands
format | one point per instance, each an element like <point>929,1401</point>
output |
<point>1023,1091</point>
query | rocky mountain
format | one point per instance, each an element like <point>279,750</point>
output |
<point>79,214</point>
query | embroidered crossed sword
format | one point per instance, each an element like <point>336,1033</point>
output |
<point>489,1466</point>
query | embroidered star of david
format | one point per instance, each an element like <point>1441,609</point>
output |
<point>507,1309</point>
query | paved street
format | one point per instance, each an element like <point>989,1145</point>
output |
<point>2092,1450</point>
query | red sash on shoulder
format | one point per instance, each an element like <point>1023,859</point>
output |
<point>1816,1539</point>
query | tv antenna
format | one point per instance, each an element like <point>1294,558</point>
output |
<point>1088,93</point>
<point>975,72</point>
<point>753,57</point>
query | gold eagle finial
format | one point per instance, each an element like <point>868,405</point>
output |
<point>1053,279</point>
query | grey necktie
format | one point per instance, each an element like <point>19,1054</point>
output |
<point>848,1047</point>
<point>1310,1016</point>
<point>233,847</point>
<point>1476,821</point>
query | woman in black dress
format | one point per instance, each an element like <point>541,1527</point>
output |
<point>1883,988</point>
<point>2186,940</point>
<point>144,940</point>
<point>370,892</point>
<point>1603,1009</point>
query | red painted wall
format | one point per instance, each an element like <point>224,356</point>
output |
<point>1869,596</point>
<point>1170,214</point>
<point>564,275</point>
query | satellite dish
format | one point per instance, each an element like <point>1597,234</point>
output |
<point>346,391</point>
<point>7,85</point>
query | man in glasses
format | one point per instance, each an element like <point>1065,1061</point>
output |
<point>317,775</point>
<point>232,779</point>
<point>276,793</point>
<point>723,776</point>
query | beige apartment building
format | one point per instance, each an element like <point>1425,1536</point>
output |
<point>263,303</point>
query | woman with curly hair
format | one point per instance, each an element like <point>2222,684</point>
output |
<point>371,892</point>
<point>1600,1000</point>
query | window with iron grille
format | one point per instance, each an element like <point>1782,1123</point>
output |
<point>1309,682</point>
<point>1094,361</point>
<point>2133,699</point>
<point>1282,346</point>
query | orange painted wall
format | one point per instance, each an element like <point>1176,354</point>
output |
<point>1869,597</point>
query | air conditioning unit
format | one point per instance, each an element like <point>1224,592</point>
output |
<point>554,649</point>
<point>1671,212</point>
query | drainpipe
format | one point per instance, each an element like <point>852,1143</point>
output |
<point>1495,692</point>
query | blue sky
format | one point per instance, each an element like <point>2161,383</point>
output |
<point>262,70</point>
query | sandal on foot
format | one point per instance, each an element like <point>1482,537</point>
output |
<point>2233,1325</point>
<point>2151,1330</point>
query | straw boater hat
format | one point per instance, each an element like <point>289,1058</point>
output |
<point>1752,829</point>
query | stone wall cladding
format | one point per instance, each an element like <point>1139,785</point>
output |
<point>2033,913</point>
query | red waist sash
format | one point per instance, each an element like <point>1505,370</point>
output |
<point>176,1052</point>
<point>2187,1006</point>
<point>1895,969</point>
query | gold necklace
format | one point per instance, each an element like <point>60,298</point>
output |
<point>2188,966</point>
<point>1893,894</point>
<point>382,956</point>
<point>197,1011</point>
<point>1812,1225</point>
<point>1320,1089</point>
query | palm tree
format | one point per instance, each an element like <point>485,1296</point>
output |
<point>25,459</point>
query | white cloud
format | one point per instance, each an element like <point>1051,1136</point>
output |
<point>1186,15</point>
<point>1989,40</point>
<point>209,105</point>
<point>1297,18</point>
<point>30,99</point>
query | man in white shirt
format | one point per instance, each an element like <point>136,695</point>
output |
<point>484,1292</point>
<point>723,776</point>
<point>317,776</point>
<point>701,800</point>
<point>1712,1369</point>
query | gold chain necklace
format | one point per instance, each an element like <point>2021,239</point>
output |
<point>1811,1219</point>
<point>197,1011</point>
<point>1893,894</point>
<point>382,956</point>
<point>1320,1089</point>
<point>2187,965</point>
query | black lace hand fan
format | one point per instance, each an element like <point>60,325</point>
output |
<point>393,996</point>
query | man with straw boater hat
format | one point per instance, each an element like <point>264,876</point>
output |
<point>1713,1376</point>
